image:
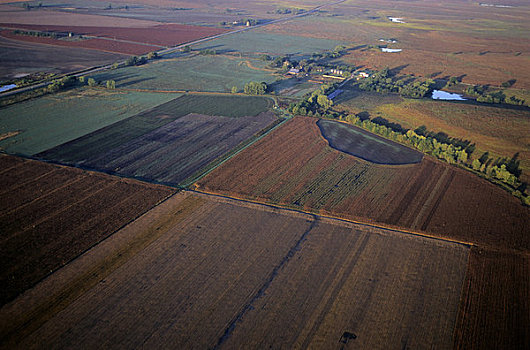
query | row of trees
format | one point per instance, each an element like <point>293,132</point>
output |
<point>483,94</point>
<point>289,10</point>
<point>36,33</point>
<point>504,170</point>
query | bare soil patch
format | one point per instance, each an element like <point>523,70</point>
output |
<point>202,271</point>
<point>51,214</point>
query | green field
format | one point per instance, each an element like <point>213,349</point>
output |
<point>193,73</point>
<point>105,139</point>
<point>46,122</point>
<point>258,41</point>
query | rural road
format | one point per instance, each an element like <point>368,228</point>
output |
<point>173,49</point>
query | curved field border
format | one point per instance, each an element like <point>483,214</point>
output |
<point>365,145</point>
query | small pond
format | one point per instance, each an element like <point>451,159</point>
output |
<point>7,87</point>
<point>447,96</point>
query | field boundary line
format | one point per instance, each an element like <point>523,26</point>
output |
<point>332,217</point>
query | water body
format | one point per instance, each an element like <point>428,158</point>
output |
<point>447,96</point>
<point>396,19</point>
<point>384,49</point>
<point>7,87</point>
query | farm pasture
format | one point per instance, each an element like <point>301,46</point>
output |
<point>294,166</point>
<point>194,73</point>
<point>50,214</point>
<point>170,142</point>
<point>260,41</point>
<point>52,120</point>
<point>202,272</point>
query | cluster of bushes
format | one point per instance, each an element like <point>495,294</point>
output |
<point>287,10</point>
<point>315,104</point>
<point>384,81</point>
<point>62,84</point>
<point>255,88</point>
<point>136,61</point>
<point>36,33</point>
<point>206,52</point>
<point>483,94</point>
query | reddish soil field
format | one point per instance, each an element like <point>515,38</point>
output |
<point>495,306</point>
<point>207,272</point>
<point>294,166</point>
<point>51,214</point>
<point>164,34</point>
<point>96,44</point>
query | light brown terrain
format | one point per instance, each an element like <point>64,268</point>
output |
<point>199,271</point>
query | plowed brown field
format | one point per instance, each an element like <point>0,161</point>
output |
<point>495,308</point>
<point>163,34</point>
<point>203,272</point>
<point>294,166</point>
<point>51,214</point>
<point>96,44</point>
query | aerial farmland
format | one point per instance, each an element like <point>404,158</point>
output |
<point>303,174</point>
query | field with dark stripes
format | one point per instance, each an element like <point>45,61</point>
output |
<point>50,214</point>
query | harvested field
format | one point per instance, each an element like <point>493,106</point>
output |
<point>168,143</point>
<point>18,57</point>
<point>162,34</point>
<point>50,214</point>
<point>495,308</point>
<point>294,166</point>
<point>52,120</point>
<point>206,272</point>
<point>365,145</point>
<point>106,45</point>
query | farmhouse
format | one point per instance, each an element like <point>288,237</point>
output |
<point>293,71</point>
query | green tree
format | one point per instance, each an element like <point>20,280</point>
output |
<point>255,88</point>
<point>234,89</point>
<point>152,55</point>
<point>476,164</point>
<point>111,84</point>
<point>324,102</point>
<point>91,82</point>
